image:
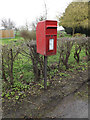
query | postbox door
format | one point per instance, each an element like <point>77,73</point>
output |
<point>51,44</point>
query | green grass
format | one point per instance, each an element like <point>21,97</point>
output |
<point>53,58</point>
<point>9,40</point>
<point>23,67</point>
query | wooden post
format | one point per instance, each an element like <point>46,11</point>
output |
<point>45,72</point>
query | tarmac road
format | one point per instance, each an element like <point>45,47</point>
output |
<point>71,107</point>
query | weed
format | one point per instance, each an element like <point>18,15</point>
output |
<point>7,95</point>
<point>12,93</point>
<point>63,74</point>
<point>3,94</point>
<point>16,97</point>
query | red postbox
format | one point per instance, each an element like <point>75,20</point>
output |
<point>46,37</point>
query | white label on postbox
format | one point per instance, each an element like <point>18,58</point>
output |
<point>51,44</point>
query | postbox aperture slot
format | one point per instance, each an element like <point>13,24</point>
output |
<point>51,30</point>
<point>51,27</point>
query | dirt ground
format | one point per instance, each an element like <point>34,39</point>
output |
<point>66,98</point>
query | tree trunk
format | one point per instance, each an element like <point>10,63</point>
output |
<point>73,30</point>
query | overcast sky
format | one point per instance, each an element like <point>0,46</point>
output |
<point>21,11</point>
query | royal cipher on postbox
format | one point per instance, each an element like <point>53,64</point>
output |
<point>46,37</point>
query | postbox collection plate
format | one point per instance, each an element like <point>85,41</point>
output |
<point>51,44</point>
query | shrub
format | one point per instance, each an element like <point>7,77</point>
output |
<point>9,54</point>
<point>78,35</point>
<point>28,35</point>
<point>87,48</point>
<point>37,60</point>
<point>64,49</point>
<point>65,46</point>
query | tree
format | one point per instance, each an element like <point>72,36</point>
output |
<point>34,24</point>
<point>27,25</point>
<point>45,10</point>
<point>75,16</point>
<point>41,18</point>
<point>7,23</point>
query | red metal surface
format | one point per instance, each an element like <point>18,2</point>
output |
<point>46,34</point>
